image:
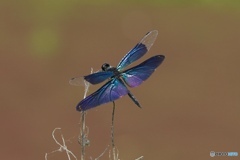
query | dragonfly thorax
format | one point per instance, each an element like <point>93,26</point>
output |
<point>107,67</point>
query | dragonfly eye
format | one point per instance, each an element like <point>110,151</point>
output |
<point>105,67</point>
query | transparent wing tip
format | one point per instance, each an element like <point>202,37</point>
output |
<point>155,32</point>
<point>149,39</point>
<point>77,81</point>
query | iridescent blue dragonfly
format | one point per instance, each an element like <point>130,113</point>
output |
<point>115,88</point>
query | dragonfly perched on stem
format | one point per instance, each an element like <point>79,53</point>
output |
<point>118,78</point>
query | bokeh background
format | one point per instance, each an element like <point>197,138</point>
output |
<point>191,104</point>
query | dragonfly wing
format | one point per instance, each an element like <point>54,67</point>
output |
<point>77,81</point>
<point>111,91</point>
<point>139,50</point>
<point>98,77</point>
<point>133,77</point>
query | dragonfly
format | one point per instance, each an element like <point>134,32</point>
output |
<point>118,78</point>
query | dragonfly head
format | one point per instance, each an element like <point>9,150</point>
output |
<point>106,67</point>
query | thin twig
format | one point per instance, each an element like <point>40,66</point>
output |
<point>83,133</point>
<point>115,156</point>
<point>112,127</point>
<point>62,148</point>
<point>102,153</point>
<point>140,158</point>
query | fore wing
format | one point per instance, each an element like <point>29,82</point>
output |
<point>111,91</point>
<point>94,78</point>
<point>98,77</point>
<point>139,50</point>
<point>133,77</point>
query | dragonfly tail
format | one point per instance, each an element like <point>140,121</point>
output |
<point>134,99</point>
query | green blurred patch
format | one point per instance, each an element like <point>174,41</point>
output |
<point>210,3</point>
<point>44,42</point>
<point>51,9</point>
<point>56,7</point>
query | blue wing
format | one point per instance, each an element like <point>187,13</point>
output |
<point>94,78</point>
<point>111,91</point>
<point>98,77</point>
<point>133,77</point>
<point>139,50</point>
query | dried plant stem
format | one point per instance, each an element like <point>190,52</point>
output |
<point>83,132</point>
<point>83,135</point>
<point>112,127</point>
<point>115,156</point>
<point>139,158</point>
<point>62,147</point>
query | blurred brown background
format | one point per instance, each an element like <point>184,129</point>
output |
<point>190,104</point>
